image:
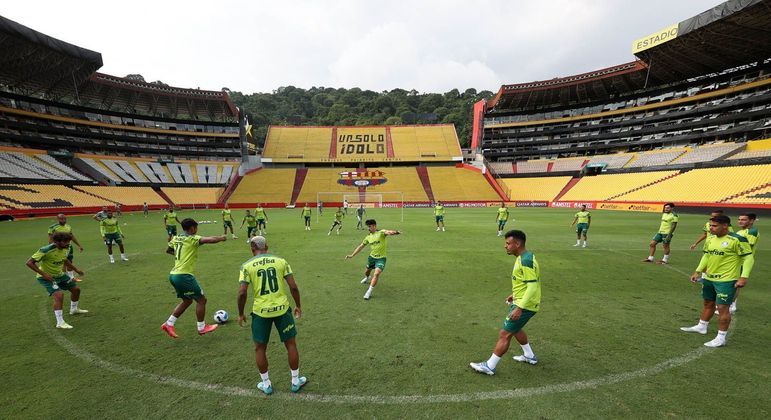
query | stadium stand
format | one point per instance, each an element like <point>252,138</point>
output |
<point>754,149</point>
<point>759,196</point>
<point>707,153</point>
<point>266,185</point>
<point>34,196</point>
<point>532,166</point>
<point>203,196</point>
<point>460,184</point>
<point>603,187</point>
<point>655,158</point>
<point>565,165</point>
<point>535,188</point>
<point>612,161</point>
<point>704,185</point>
<point>362,144</point>
<point>125,195</point>
<point>502,168</point>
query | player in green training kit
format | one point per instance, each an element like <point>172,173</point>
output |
<point>724,268</point>
<point>360,212</point>
<point>110,230</point>
<point>227,222</point>
<point>251,225</point>
<point>338,222</point>
<point>524,302</point>
<point>377,254</point>
<point>270,276</point>
<point>751,233</point>
<point>184,248</point>
<point>306,214</point>
<point>668,224</point>
<point>439,216</point>
<point>502,217</point>
<point>705,231</point>
<point>62,226</point>
<point>262,218</point>
<point>170,221</point>
<point>50,274</point>
<point>584,219</point>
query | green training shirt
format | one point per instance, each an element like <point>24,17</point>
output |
<point>439,210</point>
<point>109,225</point>
<point>583,216</point>
<point>503,214</point>
<point>667,219</point>
<point>226,216</point>
<point>170,218</point>
<point>251,220</point>
<point>185,253</point>
<point>751,235</point>
<point>339,216</point>
<point>526,283</point>
<point>56,227</point>
<point>726,258</point>
<point>267,273</point>
<point>259,212</point>
<point>306,211</point>
<point>377,243</point>
<point>50,259</point>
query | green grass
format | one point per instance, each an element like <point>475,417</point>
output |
<point>439,306</point>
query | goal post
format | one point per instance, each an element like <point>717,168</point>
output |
<point>393,199</point>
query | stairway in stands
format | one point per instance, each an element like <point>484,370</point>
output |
<point>743,193</point>
<point>423,175</point>
<point>566,188</point>
<point>644,186</point>
<point>299,180</point>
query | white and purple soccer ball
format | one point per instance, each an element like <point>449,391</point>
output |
<point>221,316</point>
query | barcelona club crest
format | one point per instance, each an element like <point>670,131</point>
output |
<point>362,179</point>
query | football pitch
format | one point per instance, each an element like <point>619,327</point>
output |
<point>607,335</point>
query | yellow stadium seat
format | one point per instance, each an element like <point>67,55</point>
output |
<point>759,196</point>
<point>31,196</point>
<point>704,185</point>
<point>126,195</point>
<point>266,185</point>
<point>460,184</point>
<point>603,187</point>
<point>192,195</point>
<point>535,189</point>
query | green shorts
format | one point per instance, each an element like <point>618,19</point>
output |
<point>71,254</point>
<point>109,238</point>
<point>373,262</point>
<point>501,224</point>
<point>582,228</point>
<point>186,286</point>
<point>720,292</point>
<point>171,230</point>
<point>261,222</point>
<point>284,324</point>
<point>64,282</point>
<point>336,223</point>
<point>661,237</point>
<point>251,230</point>
<point>515,326</point>
<point>439,219</point>
<point>227,223</point>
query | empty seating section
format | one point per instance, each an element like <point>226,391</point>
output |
<point>226,173</point>
<point>532,166</point>
<point>707,153</point>
<point>535,189</point>
<point>163,174</point>
<point>460,184</point>
<point>192,195</point>
<point>117,170</point>
<point>101,169</point>
<point>612,161</point>
<point>655,158</point>
<point>126,195</point>
<point>14,164</point>
<point>564,165</point>
<point>148,172</point>
<point>704,185</point>
<point>176,173</point>
<point>296,144</point>
<point>425,142</point>
<point>760,196</point>
<point>325,180</point>
<point>265,185</point>
<point>62,167</point>
<point>32,196</point>
<point>751,154</point>
<point>602,187</point>
<point>404,180</point>
<point>131,170</point>
<point>502,168</point>
<point>366,143</point>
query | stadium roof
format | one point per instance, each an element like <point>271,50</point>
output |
<point>731,34</point>
<point>33,63</point>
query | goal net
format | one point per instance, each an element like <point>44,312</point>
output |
<point>382,199</point>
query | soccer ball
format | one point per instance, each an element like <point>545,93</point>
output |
<point>221,316</point>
